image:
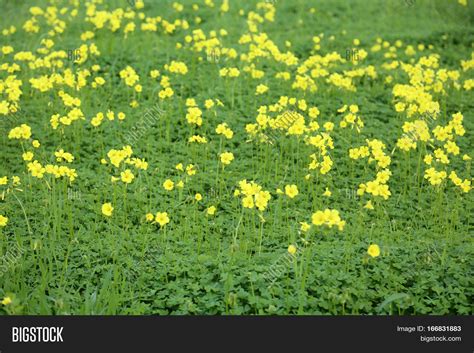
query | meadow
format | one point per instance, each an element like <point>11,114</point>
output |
<point>236,157</point>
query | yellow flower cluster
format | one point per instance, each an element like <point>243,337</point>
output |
<point>177,67</point>
<point>68,100</point>
<point>66,120</point>
<point>99,117</point>
<point>290,122</point>
<point>328,218</point>
<point>324,166</point>
<point>465,184</point>
<point>253,195</point>
<point>20,132</point>
<point>351,118</point>
<point>116,157</point>
<point>11,86</point>
<point>129,75</point>
<point>194,116</point>
<point>435,177</point>
<point>161,218</point>
<point>377,187</point>
<point>197,139</point>
<point>414,131</point>
<point>375,151</point>
<point>229,72</point>
<point>445,145</point>
<point>61,155</point>
<point>405,143</point>
<point>166,93</point>
<point>223,129</point>
<point>37,170</point>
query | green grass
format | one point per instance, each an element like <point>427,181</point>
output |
<point>76,261</point>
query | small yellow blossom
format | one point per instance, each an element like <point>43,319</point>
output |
<point>107,209</point>
<point>291,191</point>
<point>373,250</point>
<point>162,218</point>
<point>292,249</point>
<point>168,185</point>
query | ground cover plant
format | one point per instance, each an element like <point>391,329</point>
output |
<point>236,157</point>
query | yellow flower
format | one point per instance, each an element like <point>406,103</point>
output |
<point>291,191</point>
<point>329,126</point>
<point>353,108</point>
<point>20,132</point>
<point>3,220</point>
<point>209,103</point>
<point>168,185</point>
<point>327,193</point>
<point>149,217</point>
<point>305,227</point>
<point>400,107</point>
<point>198,197</point>
<point>369,205</point>
<point>107,209</point>
<point>27,156</point>
<point>261,89</point>
<point>3,180</point>
<point>328,217</point>
<point>162,218</point>
<point>428,159</point>
<point>292,249</point>
<point>154,73</point>
<point>227,157</point>
<point>373,250</point>
<point>211,210</point>
<point>110,115</point>
<point>99,80</point>
<point>247,202</point>
<point>190,169</point>
<point>318,218</point>
<point>127,176</point>
<point>36,143</point>
<point>6,300</point>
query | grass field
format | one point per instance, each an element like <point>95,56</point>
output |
<point>243,157</point>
